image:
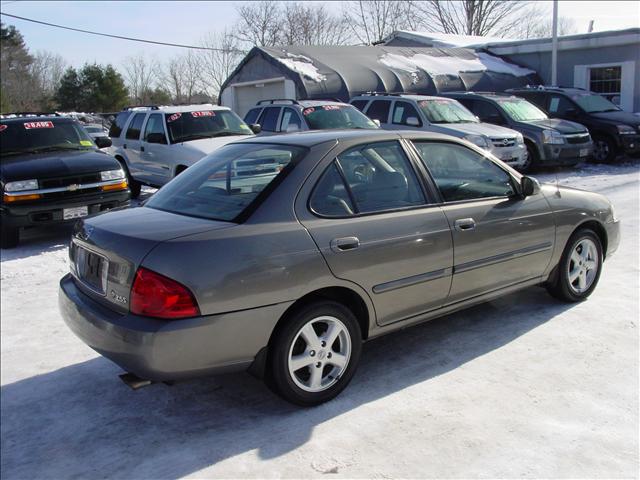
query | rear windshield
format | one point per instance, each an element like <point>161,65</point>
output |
<point>521,110</point>
<point>223,185</point>
<point>446,111</point>
<point>33,136</point>
<point>593,103</point>
<point>328,117</point>
<point>186,126</point>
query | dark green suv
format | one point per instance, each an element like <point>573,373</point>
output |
<point>614,131</point>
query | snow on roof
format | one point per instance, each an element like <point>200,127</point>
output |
<point>448,40</point>
<point>302,65</point>
<point>444,65</point>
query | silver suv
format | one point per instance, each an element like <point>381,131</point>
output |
<point>442,115</point>
<point>287,116</point>
<point>154,144</point>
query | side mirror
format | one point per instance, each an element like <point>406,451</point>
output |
<point>103,142</point>
<point>156,138</point>
<point>255,128</point>
<point>413,122</point>
<point>529,186</point>
<point>376,121</point>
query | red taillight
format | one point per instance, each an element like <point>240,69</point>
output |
<point>154,295</point>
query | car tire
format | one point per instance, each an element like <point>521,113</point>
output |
<point>303,368</point>
<point>134,186</point>
<point>604,149</point>
<point>579,269</point>
<point>532,159</point>
<point>9,237</point>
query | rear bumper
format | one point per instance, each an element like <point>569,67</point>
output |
<point>163,350</point>
<point>567,154</point>
<point>43,212</point>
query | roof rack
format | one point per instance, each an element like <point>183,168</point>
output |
<point>272,101</point>
<point>393,94</point>
<point>131,107</point>
<point>30,114</point>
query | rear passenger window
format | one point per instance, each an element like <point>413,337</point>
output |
<point>291,121</point>
<point>118,124</point>
<point>366,179</point>
<point>133,132</point>
<point>404,110</point>
<point>269,119</point>
<point>251,116</point>
<point>379,110</point>
<point>359,104</point>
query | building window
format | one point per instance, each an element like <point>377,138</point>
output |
<point>607,82</point>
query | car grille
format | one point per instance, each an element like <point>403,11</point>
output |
<point>66,181</point>
<point>503,142</point>
<point>577,138</point>
<point>89,268</point>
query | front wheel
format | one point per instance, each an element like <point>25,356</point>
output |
<point>531,159</point>
<point>604,149</point>
<point>579,268</point>
<point>315,354</point>
<point>134,186</point>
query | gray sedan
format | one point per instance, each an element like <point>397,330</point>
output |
<point>284,254</point>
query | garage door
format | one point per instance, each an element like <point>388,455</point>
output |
<point>248,95</point>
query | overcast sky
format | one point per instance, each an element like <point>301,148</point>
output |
<point>188,22</point>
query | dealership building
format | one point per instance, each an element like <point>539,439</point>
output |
<point>430,63</point>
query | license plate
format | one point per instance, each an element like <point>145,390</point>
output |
<point>91,269</point>
<point>584,152</point>
<point>76,212</point>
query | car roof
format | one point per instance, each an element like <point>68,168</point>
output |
<point>489,95</point>
<point>310,138</point>
<point>11,118</point>
<point>542,89</point>
<point>284,102</point>
<point>395,96</point>
<point>176,108</point>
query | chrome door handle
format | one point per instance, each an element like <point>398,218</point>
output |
<point>345,243</point>
<point>465,224</point>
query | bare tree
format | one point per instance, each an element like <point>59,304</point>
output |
<point>305,24</point>
<point>259,23</point>
<point>473,17</point>
<point>141,74</point>
<point>538,24</point>
<point>373,20</point>
<point>218,63</point>
<point>182,76</point>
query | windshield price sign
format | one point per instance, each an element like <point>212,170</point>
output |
<point>30,125</point>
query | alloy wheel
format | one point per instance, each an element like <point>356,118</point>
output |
<point>601,150</point>
<point>582,268</point>
<point>319,354</point>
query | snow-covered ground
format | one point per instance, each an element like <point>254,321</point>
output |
<point>523,386</point>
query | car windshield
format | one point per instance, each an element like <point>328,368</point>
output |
<point>446,111</point>
<point>226,183</point>
<point>186,126</point>
<point>327,117</point>
<point>33,136</point>
<point>594,103</point>
<point>521,110</point>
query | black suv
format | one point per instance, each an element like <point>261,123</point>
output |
<point>286,116</point>
<point>51,171</point>
<point>549,141</point>
<point>614,131</point>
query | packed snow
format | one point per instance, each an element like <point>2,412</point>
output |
<point>445,65</point>
<point>524,386</point>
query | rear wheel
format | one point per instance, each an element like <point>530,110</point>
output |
<point>315,354</point>
<point>9,237</point>
<point>134,186</point>
<point>604,149</point>
<point>579,268</point>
